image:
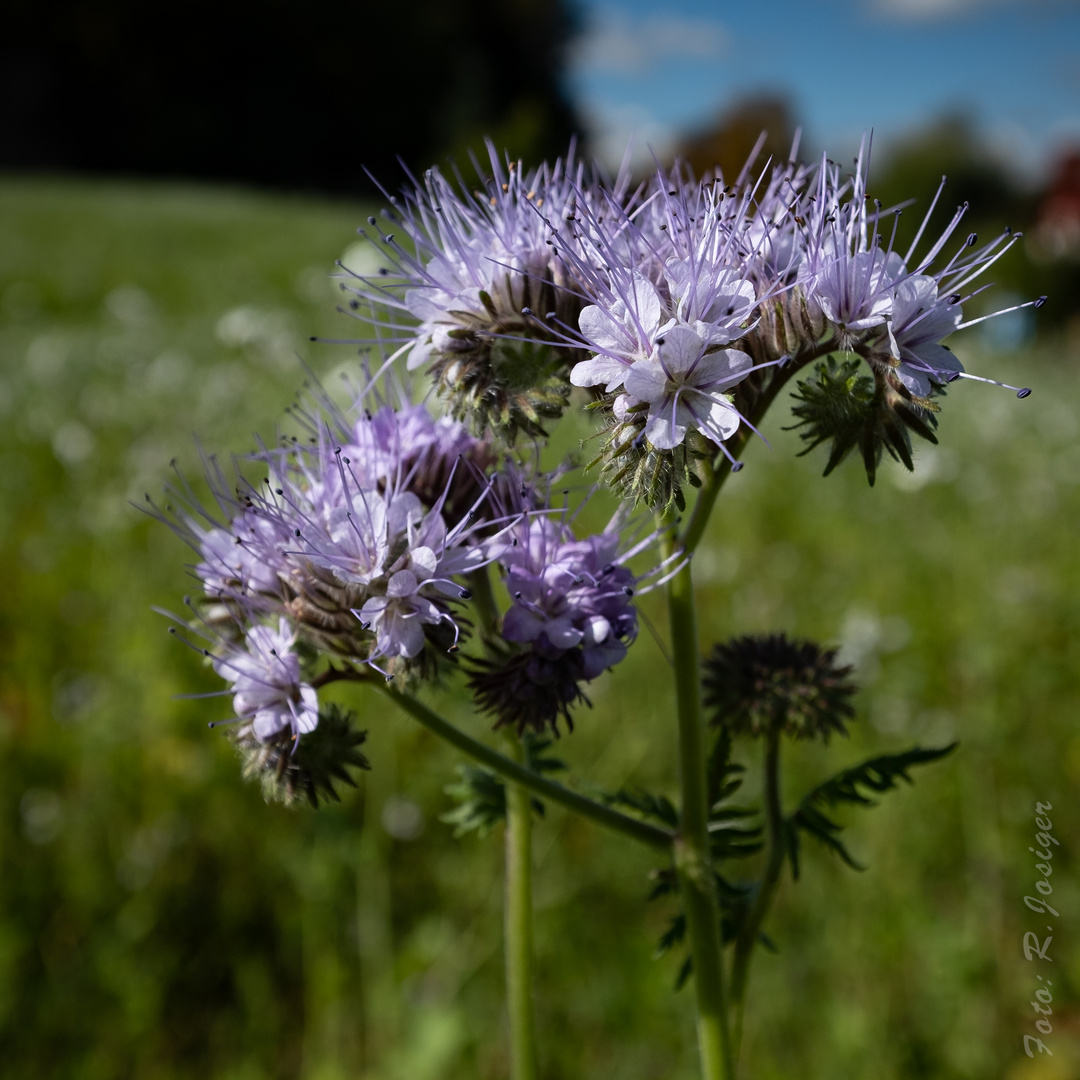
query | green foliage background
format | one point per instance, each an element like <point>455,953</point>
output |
<point>157,920</point>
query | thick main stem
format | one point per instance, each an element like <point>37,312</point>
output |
<point>519,932</point>
<point>774,864</point>
<point>697,884</point>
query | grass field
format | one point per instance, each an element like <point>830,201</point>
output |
<point>157,920</point>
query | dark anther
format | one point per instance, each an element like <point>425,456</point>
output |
<point>1026,392</point>
<point>517,596</point>
<point>527,311</point>
<point>465,594</point>
<point>628,590</point>
<point>371,221</point>
<point>297,532</point>
<point>736,466</point>
<point>954,299</point>
<point>1040,301</point>
<point>972,237</point>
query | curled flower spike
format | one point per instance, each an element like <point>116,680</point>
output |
<point>470,299</point>
<point>342,550</point>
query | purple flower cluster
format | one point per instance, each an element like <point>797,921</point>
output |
<point>343,548</point>
<point>893,308</point>
<point>570,619</point>
<point>667,298</point>
<point>568,594</point>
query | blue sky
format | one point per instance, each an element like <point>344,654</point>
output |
<point>845,65</point>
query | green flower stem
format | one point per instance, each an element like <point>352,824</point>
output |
<point>774,864</point>
<point>697,883</point>
<point>714,477</point>
<point>652,835</point>
<point>519,930</point>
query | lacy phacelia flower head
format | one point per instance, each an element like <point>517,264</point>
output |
<point>891,309</point>
<point>483,284</point>
<point>677,285</point>
<point>336,552</point>
<point>571,618</point>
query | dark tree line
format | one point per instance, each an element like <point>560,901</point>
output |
<point>281,93</point>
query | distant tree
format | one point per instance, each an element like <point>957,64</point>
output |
<point>729,140</point>
<point>282,93</point>
<point>952,146</point>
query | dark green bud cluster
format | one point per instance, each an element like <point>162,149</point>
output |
<point>758,685</point>
<point>843,405</point>
<point>287,769</point>
<point>526,691</point>
<point>501,371</point>
<point>636,470</point>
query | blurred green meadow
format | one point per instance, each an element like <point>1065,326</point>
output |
<point>158,920</point>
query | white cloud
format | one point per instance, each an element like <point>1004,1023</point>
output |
<point>617,130</point>
<point>938,10</point>
<point>616,43</point>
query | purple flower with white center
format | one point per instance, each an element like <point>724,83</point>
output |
<point>685,386</point>
<point>267,689</point>
<point>397,617</point>
<point>717,302</point>
<point>619,332</point>
<point>853,288</point>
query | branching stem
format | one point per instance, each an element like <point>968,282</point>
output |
<point>642,831</point>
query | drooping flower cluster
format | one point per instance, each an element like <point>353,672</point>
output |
<point>683,305</point>
<point>354,552</point>
<point>353,547</point>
